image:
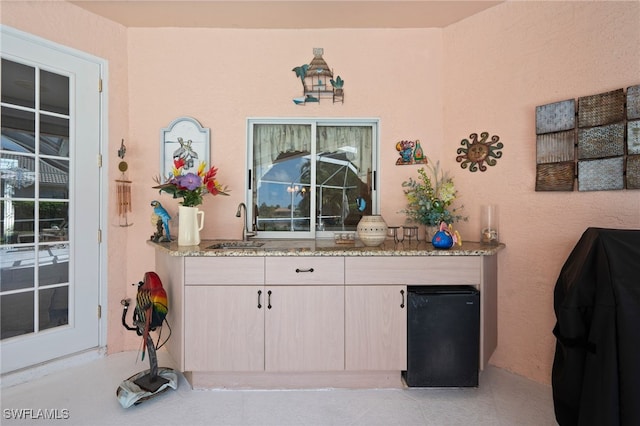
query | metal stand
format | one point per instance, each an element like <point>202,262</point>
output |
<point>151,382</point>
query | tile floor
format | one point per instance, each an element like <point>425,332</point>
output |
<point>87,393</point>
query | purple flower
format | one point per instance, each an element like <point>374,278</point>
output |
<point>190,181</point>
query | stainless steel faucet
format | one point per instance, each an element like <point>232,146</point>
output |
<point>245,229</point>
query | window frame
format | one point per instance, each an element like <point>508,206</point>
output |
<point>313,233</point>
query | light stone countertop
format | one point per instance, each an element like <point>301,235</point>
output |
<point>322,247</point>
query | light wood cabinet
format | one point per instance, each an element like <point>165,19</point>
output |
<point>232,324</point>
<point>224,328</point>
<point>304,319</point>
<point>376,327</point>
<point>298,321</point>
<point>304,328</point>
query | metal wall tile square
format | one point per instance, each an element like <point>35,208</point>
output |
<point>601,175</point>
<point>601,109</point>
<point>600,142</point>
<point>555,147</point>
<point>555,176</point>
<point>556,117</point>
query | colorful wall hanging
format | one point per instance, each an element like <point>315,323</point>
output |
<point>317,81</point>
<point>410,153</point>
<point>479,153</point>
<point>595,141</point>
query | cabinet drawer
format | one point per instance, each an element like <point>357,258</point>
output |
<point>224,271</point>
<point>410,270</point>
<point>304,270</point>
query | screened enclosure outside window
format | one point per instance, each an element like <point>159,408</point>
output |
<point>308,178</point>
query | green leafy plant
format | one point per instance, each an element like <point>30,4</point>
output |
<point>430,197</point>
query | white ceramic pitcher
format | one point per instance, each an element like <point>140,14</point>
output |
<point>189,226</point>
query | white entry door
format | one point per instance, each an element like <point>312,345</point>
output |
<point>50,195</point>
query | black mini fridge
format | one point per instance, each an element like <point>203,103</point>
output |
<point>443,336</point>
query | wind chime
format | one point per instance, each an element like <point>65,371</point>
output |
<point>123,189</point>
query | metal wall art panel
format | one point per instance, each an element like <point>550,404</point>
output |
<point>601,175</point>
<point>555,176</point>
<point>601,109</point>
<point>556,117</point>
<point>633,102</point>
<point>599,146</point>
<point>600,142</point>
<point>633,172</point>
<point>633,137</point>
<point>555,147</point>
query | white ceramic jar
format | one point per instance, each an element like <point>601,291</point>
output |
<point>372,230</point>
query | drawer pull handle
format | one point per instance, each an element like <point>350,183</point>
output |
<point>259,294</point>
<point>269,299</point>
<point>402,294</point>
<point>298,270</point>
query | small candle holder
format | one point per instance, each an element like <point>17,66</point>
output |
<point>489,224</point>
<point>410,232</point>
<point>395,233</point>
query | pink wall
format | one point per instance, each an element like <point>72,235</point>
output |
<point>484,73</point>
<point>499,65</point>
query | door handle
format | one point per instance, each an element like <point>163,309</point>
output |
<point>269,299</point>
<point>402,294</point>
<point>259,297</point>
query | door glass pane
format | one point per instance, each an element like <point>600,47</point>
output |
<point>343,176</point>
<point>18,84</point>
<point>54,92</point>
<point>17,267</point>
<point>18,130</point>
<point>53,221</point>
<point>282,154</point>
<point>18,176</point>
<point>17,222</point>
<point>54,136</point>
<point>54,307</point>
<point>17,314</point>
<point>53,264</point>
<point>54,178</point>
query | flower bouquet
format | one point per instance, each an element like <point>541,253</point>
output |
<point>191,186</point>
<point>430,197</point>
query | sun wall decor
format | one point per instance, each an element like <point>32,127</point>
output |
<point>479,153</point>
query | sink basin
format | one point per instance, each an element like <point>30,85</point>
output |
<point>233,245</point>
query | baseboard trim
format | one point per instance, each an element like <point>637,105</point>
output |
<point>43,369</point>
<point>320,380</point>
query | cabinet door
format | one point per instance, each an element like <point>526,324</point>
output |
<point>304,328</point>
<point>376,327</point>
<point>224,328</point>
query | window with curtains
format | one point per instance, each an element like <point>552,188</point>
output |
<point>311,177</point>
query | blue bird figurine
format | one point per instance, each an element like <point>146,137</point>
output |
<point>163,215</point>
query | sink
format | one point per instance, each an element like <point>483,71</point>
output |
<point>233,245</point>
